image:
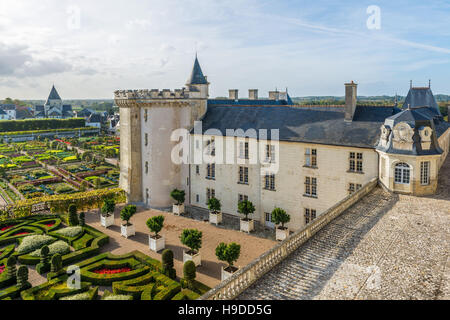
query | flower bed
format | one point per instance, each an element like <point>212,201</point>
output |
<point>7,227</point>
<point>112,271</point>
<point>34,242</point>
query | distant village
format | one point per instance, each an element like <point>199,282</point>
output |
<point>55,108</point>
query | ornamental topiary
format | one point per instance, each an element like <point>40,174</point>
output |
<point>127,213</point>
<point>11,267</point>
<point>44,265</point>
<point>108,207</point>
<point>192,238</point>
<point>82,219</point>
<point>214,205</point>
<point>189,273</point>
<point>167,264</point>
<point>280,216</point>
<point>178,196</point>
<point>56,263</point>
<point>73,217</point>
<point>155,224</point>
<point>246,207</point>
<point>229,253</point>
<point>22,277</point>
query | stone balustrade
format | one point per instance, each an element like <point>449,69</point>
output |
<point>245,277</point>
<point>146,94</point>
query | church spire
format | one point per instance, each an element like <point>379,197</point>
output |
<point>197,76</point>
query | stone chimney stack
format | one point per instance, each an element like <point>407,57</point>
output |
<point>233,94</point>
<point>350,100</point>
<point>253,94</point>
<point>274,95</point>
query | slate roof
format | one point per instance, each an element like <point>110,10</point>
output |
<point>197,76</point>
<point>2,112</point>
<point>95,117</point>
<point>249,102</point>
<point>420,97</point>
<point>8,106</point>
<point>309,125</point>
<point>53,94</point>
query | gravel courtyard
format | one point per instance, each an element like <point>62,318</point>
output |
<point>387,246</point>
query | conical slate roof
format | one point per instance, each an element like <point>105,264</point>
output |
<point>53,95</point>
<point>197,76</point>
<point>420,97</point>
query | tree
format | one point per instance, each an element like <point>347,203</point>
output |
<point>178,196</point>
<point>167,264</point>
<point>228,252</point>
<point>192,238</point>
<point>56,263</point>
<point>22,277</point>
<point>82,219</point>
<point>73,217</point>
<point>108,207</point>
<point>11,267</point>
<point>280,216</point>
<point>246,207</point>
<point>127,213</point>
<point>44,265</point>
<point>189,273</point>
<point>155,224</point>
<point>214,205</point>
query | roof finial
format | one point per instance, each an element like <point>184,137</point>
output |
<point>409,106</point>
<point>429,84</point>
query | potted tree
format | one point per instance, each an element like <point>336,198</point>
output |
<point>215,215</point>
<point>279,216</point>
<point>192,238</point>
<point>228,253</point>
<point>246,207</point>
<point>156,242</point>
<point>127,229</point>
<point>107,214</point>
<point>178,196</point>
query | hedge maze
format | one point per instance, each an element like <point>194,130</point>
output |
<point>47,243</point>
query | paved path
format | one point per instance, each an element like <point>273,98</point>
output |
<point>385,247</point>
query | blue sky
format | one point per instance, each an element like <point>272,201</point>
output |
<point>88,49</point>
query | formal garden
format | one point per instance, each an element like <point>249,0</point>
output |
<point>56,245</point>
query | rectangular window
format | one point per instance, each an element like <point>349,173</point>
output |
<point>210,193</point>
<point>356,162</point>
<point>211,171</point>
<point>311,157</point>
<point>242,197</point>
<point>146,139</point>
<point>352,187</point>
<point>197,169</point>
<point>197,198</point>
<point>270,153</point>
<point>269,180</point>
<point>243,175</point>
<point>146,167</point>
<point>243,150</point>
<point>311,186</point>
<point>268,217</point>
<point>310,215</point>
<point>425,172</point>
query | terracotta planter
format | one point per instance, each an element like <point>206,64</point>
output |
<point>227,274</point>
<point>156,244</point>
<point>247,225</point>
<point>215,218</point>
<point>196,258</point>
<point>281,234</point>
<point>127,231</point>
<point>178,209</point>
<point>107,221</point>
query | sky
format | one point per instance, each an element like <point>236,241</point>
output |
<point>89,49</point>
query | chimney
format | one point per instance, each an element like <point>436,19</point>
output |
<point>253,94</point>
<point>273,95</point>
<point>233,94</point>
<point>350,100</point>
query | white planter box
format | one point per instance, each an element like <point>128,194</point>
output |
<point>196,258</point>
<point>215,218</point>
<point>107,221</point>
<point>247,226</point>
<point>156,244</point>
<point>178,209</point>
<point>281,234</point>
<point>128,231</point>
<point>225,274</point>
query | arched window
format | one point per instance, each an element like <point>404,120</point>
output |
<point>402,173</point>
